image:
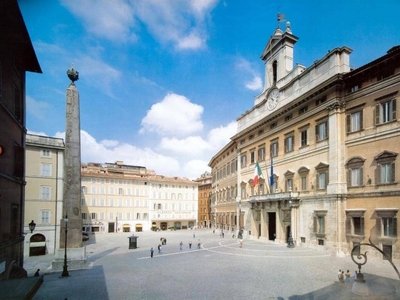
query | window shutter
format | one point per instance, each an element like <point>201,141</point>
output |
<point>377,113</point>
<point>378,174</point>
<point>348,177</point>
<point>317,183</point>
<point>361,176</point>
<point>326,130</point>
<point>393,172</point>
<point>315,224</point>
<point>348,123</point>
<point>395,227</point>
<point>378,227</point>
<point>361,120</point>
<point>326,179</point>
<point>286,147</point>
<point>316,133</point>
<point>348,226</point>
<point>394,109</point>
<point>277,148</point>
<point>362,226</point>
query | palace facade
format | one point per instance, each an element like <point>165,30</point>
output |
<point>327,140</point>
<point>124,198</point>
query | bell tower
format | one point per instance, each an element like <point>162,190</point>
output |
<point>278,55</point>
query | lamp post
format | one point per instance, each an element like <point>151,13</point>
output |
<point>65,267</point>
<point>32,226</point>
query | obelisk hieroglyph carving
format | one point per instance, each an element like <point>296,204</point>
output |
<point>72,166</point>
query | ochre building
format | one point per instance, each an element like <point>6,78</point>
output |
<point>326,138</point>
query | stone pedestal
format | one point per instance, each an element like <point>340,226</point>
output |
<point>76,259</point>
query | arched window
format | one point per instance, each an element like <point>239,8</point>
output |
<point>275,71</point>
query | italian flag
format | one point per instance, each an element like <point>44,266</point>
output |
<point>257,174</point>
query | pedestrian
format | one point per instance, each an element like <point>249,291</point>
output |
<point>240,243</point>
<point>194,235</point>
<point>37,272</point>
<point>180,245</point>
<point>198,244</point>
<point>355,275</point>
<point>190,245</point>
<point>340,272</point>
<point>159,248</point>
<point>341,277</point>
<point>223,234</point>
<point>151,252</point>
<point>165,241</point>
<point>347,277</point>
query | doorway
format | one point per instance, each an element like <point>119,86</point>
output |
<point>271,226</point>
<point>111,227</point>
<point>259,230</point>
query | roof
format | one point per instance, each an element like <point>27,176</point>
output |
<point>14,37</point>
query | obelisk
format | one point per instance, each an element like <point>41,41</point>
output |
<point>71,249</point>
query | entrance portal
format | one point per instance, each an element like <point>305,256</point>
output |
<point>271,226</point>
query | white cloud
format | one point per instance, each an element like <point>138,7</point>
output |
<point>190,146</point>
<point>194,168</point>
<point>219,137</point>
<point>192,41</point>
<point>36,108</point>
<point>109,143</point>
<point>255,84</point>
<point>246,70</point>
<point>112,20</point>
<point>175,115</point>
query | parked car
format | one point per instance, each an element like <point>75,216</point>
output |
<point>85,236</point>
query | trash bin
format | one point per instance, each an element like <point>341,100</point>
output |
<point>133,242</point>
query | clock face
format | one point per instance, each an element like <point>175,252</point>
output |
<point>273,99</point>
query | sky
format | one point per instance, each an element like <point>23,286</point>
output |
<point>162,82</point>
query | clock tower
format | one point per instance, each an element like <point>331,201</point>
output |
<point>278,56</point>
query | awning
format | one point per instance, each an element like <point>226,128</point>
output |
<point>138,225</point>
<point>126,226</point>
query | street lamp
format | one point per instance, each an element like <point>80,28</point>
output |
<point>290,238</point>
<point>32,226</point>
<point>65,267</point>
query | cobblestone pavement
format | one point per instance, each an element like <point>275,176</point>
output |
<point>220,269</point>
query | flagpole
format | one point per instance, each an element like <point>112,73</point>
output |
<point>267,181</point>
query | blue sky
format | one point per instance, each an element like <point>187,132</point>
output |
<point>162,82</point>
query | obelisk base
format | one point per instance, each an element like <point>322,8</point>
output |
<point>76,259</point>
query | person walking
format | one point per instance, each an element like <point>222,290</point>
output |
<point>180,245</point>
<point>151,252</point>
<point>190,245</point>
<point>347,277</point>
<point>159,248</point>
<point>198,244</point>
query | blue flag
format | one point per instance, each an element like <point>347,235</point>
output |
<point>271,179</point>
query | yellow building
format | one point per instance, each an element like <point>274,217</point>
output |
<point>43,193</point>
<point>124,198</point>
<point>326,139</point>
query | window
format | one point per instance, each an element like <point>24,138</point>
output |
<point>84,216</point>
<point>289,181</point>
<point>120,191</point>
<point>354,88</point>
<point>355,223</point>
<point>321,131</point>
<point>45,153</point>
<point>84,190</point>
<point>243,161</point>
<point>319,223</point>
<point>45,192</point>
<point>320,101</point>
<point>101,216</point>
<point>111,202</point>
<point>289,142</point>
<point>322,176</point>
<point>303,138</point>
<point>303,179</point>
<point>45,217</point>
<point>252,157</point>
<point>385,111</point>
<point>261,153</point>
<point>385,171</point>
<point>93,216</point>
<point>93,202</point>
<point>275,71</point>
<point>355,171</point>
<point>386,222</point>
<point>303,110</point>
<point>389,225</point>
<point>303,173</point>
<point>83,202</point>
<point>45,170</point>
<point>288,117</point>
<point>274,148</point>
<point>354,121</point>
<point>102,202</point>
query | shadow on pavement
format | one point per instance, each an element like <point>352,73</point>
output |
<point>379,288</point>
<point>82,284</point>
<point>92,258</point>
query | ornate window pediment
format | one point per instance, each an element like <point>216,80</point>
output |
<point>303,170</point>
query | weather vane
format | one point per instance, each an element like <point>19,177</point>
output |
<point>73,75</point>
